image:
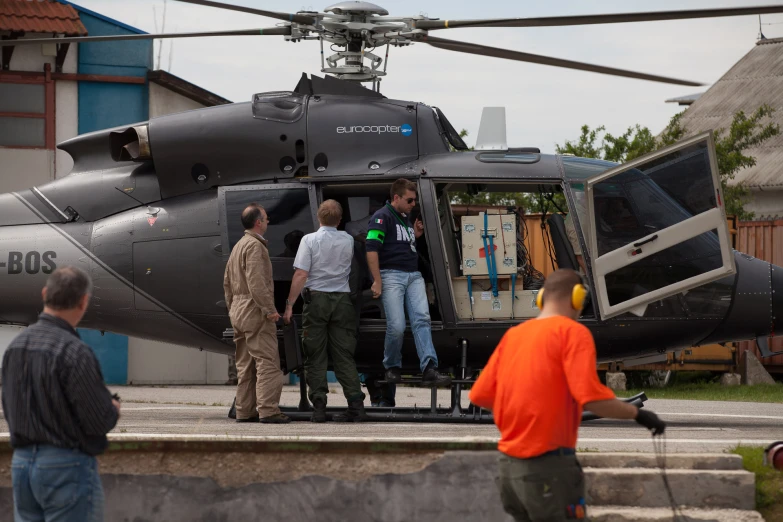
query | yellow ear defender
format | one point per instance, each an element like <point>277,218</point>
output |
<point>578,296</point>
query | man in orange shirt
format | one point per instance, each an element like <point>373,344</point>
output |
<point>538,380</point>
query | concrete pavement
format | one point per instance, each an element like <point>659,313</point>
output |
<point>694,426</point>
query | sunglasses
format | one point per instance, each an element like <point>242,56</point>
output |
<point>410,200</point>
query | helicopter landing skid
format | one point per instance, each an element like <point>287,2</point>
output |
<point>455,413</point>
<point>434,414</point>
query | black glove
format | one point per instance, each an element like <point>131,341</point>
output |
<point>651,421</point>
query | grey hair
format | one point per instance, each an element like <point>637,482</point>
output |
<point>66,287</point>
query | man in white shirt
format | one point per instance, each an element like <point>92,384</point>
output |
<point>323,267</point>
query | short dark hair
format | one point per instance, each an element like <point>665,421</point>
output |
<point>400,186</point>
<point>330,213</point>
<point>66,287</point>
<point>250,215</point>
<point>560,284</point>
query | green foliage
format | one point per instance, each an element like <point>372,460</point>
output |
<point>585,146</point>
<point>530,202</point>
<point>745,132</point>
<point>712,391</point>
<point>673,132</point>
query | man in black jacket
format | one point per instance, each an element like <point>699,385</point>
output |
<point>394,264</point>
<point>57,408</point>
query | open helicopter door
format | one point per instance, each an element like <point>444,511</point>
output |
<point>657,227</point>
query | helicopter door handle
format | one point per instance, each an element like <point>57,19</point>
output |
<point>649,240</point>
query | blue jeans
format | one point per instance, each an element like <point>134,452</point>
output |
<point>56,485</point>
<point>403,291</point>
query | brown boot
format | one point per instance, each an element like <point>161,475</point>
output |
<point>278,418</point>
<point>354,413</point>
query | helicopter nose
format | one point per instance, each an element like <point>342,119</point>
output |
<point>776,283</point>
<point>756,304</point>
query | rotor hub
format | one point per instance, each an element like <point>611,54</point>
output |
<point>356,8</point>
<point>353,30</point>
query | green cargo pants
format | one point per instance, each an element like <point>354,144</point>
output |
<point>540,489</point>
<point>329,332</point>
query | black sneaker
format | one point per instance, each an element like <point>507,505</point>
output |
<point>319,411</point>
<point>433,377</point>
<point>354,413</point>
<point>393,375</point>
<point>249,419</point>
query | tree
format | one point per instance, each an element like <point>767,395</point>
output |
<point>744,132</point>
<point>529,202</point>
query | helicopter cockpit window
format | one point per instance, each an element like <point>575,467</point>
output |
<point>578,169</point>
<point>451,134</point>
<point>655,226</point>
<point>282,106</point>
<point>288,211</point>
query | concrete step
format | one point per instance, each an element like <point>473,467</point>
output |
<point>630,514</point>
<point>673,460</point>
<point>642,487</point>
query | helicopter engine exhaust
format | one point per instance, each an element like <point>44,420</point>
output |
<point>132,144</point>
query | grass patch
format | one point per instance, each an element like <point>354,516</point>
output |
<point>769,482</point>
<point>713,392</point>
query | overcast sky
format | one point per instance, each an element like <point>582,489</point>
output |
<point>544,105</point>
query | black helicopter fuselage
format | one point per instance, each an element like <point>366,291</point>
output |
<point>150,211</point>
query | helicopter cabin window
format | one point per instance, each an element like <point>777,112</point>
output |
<point>288,210</point>
<point>499,245</point>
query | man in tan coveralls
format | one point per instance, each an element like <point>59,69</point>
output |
<point>251,306</point>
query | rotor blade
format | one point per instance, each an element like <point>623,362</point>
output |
<point>288,17</point>
<point>551,21</point>
<point>121,37</point>
<point>483,50</point>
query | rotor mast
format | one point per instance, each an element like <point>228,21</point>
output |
<point>354,30</point>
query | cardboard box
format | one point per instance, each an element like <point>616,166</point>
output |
<point>487,306</point>
<point>503,229</point>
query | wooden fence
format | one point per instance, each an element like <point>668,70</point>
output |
<point>763,240</point>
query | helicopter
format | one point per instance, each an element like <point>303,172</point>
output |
<point>151,210</point>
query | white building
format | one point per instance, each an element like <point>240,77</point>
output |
<point>50,93</point>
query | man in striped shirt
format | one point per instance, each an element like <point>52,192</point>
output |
<point>57,408</point>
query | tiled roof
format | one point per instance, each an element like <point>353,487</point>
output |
<point>40,16</point>
<point>755,80</point>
